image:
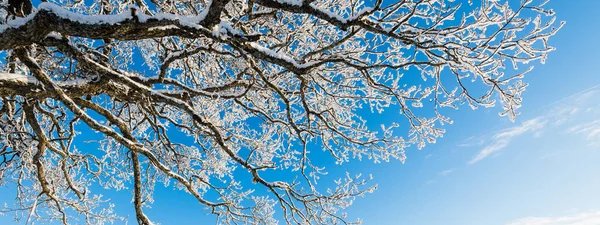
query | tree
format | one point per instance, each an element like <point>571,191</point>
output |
<point>219,98</point>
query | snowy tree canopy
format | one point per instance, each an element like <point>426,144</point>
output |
<point>232,100</point>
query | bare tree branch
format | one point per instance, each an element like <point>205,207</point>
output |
<point>215,97</point>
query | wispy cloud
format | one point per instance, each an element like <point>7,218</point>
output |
<point>577,97</point>
<point>441,173</point>
<point>585,218</point>
<point>446,172</point>
<point>471,141</point>
<point>577,108</point>
<point>591,132</point>
<point>501,139</point>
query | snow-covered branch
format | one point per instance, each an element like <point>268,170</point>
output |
<point>128,25</point>
<point>249,89</point>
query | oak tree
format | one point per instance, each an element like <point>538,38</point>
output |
<point>237,102</point>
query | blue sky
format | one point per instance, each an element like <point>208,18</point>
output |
<point>541,169</point>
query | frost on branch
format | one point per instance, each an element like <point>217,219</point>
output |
<point>242,103</point>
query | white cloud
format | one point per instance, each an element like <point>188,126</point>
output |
<point>471,141</point>
<point>579,108</point>
<point>446,172</point>
<point>501,139</point>
<point>584,218</point>
<point>590,130</point>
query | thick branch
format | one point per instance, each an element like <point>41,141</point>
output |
<point>125,26</point>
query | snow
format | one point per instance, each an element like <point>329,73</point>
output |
<point>360,13</point>
<point>63,13</point>
<point>283,57</point>
<point>262,11</point>
<point>175,54</point>
<point>55,35</point>
<point>194,20</point>
<point>18,78</point>
<point>85,19</point>
<point>25,79</point>
<point>106,19</point>
<point>162,27</point>
<point>222,29</point>
<point>291,2</point>
<point>219,31</point>
<point>330,14</point>
<point>203,14</point>
<point>272,53</point>
<point>16,22</point>
<point>74,82</point>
